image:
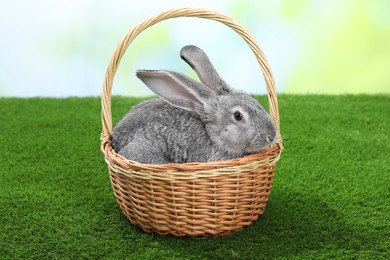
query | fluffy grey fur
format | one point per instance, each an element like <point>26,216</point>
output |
<point>192,121</point>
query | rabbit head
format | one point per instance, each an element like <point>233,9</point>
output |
<point>234,121</point>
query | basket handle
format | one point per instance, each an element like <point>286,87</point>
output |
<point>184,12</point>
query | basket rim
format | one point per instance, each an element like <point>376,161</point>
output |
<point>192,170</point>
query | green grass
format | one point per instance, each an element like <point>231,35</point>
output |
<point>330,197</point>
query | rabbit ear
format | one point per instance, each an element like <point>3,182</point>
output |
<point>177,89</point>
<point>207,74</point>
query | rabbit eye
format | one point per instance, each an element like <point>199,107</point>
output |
<point>238,116</point>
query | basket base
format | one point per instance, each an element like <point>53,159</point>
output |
<point>193,208</point>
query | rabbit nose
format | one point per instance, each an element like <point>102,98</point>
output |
<point>271,137</point>
<point>271,132</point>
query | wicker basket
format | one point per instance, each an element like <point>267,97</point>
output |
<point>192,199</point>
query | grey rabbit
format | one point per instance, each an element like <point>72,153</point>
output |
<point>192,121</point>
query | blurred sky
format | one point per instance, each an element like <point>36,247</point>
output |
<point>62,48</point>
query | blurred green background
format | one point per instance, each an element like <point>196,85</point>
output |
<point>62,48</point>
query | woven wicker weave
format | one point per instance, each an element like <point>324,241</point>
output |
<point>192,199</point>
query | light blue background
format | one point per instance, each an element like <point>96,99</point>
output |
<point>61,48</point>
